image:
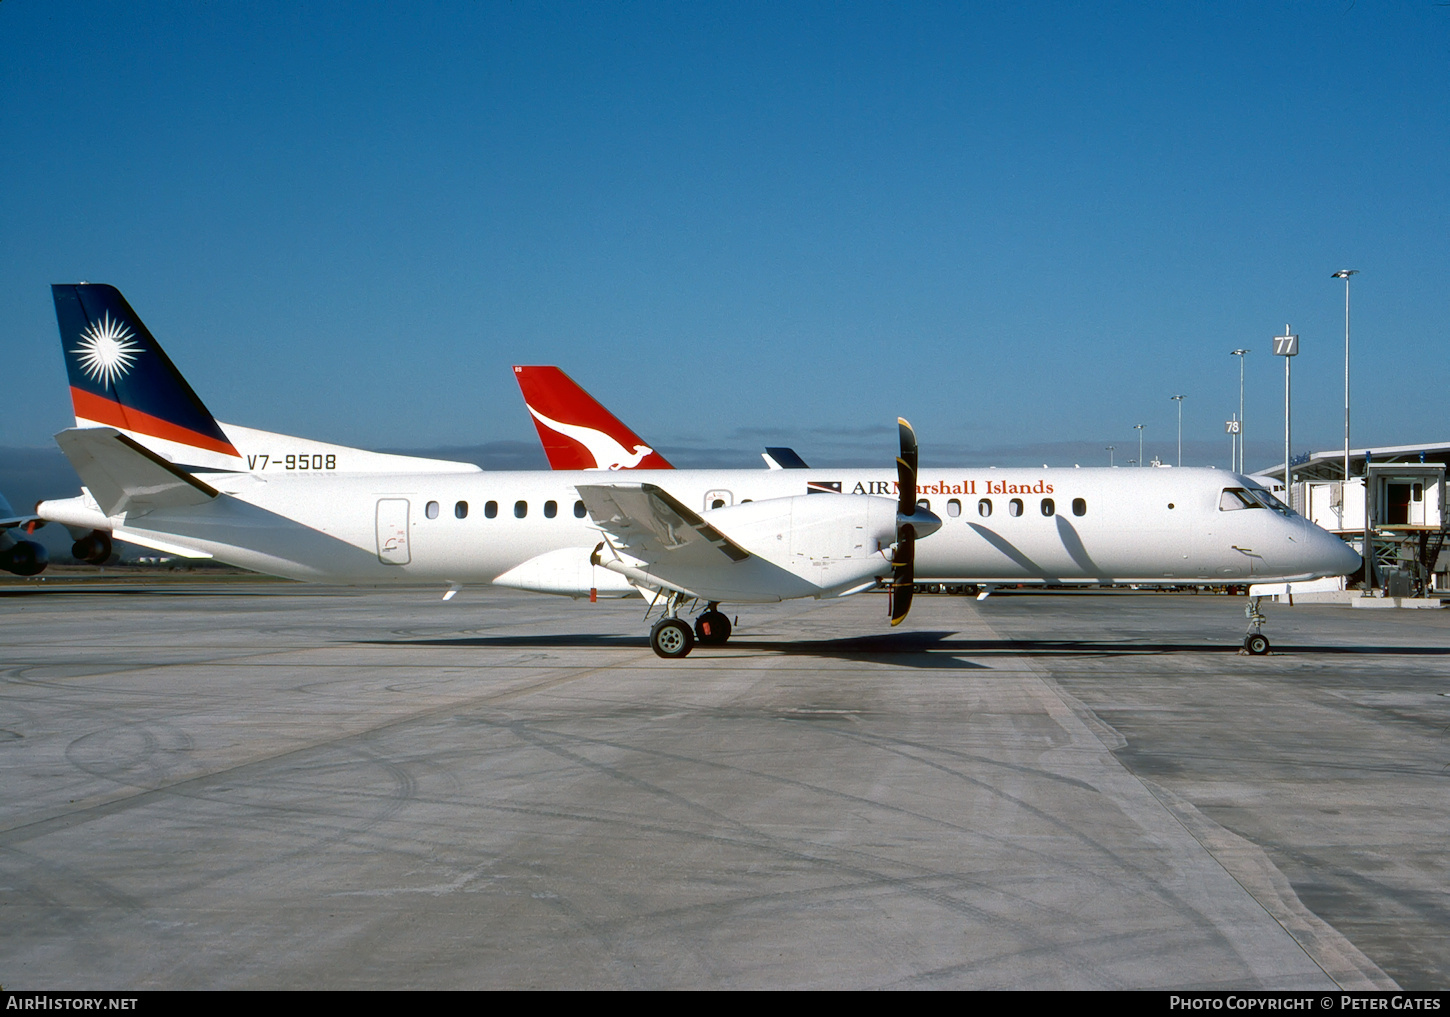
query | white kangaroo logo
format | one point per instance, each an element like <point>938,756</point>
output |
<point>608,454</point>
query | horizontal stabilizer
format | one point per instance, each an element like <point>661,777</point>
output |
<point>126,477</point>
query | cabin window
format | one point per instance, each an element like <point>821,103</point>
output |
<point>717,503</point>
<point>461,510</point>
<point>490,509</point>
<point>1048,507</point>
<point>984,507</point>
<point>1014,507</point>
<point>551,509</point>
<point>1079,506</point>
<point>431,511</point>
<point>579,510</point>
<point>521,509</point>
<point>922,503</point>
<point>954,508</point>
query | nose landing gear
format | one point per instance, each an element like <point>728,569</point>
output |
<point>1255,642</point>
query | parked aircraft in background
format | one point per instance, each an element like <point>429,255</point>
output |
<point>677,536</point>
<point>578,433</point>
<point>19,556</point>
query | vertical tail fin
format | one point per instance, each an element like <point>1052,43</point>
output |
<point>119,375</point>
<point>578,433</point>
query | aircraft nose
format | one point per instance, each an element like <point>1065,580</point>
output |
<point>1349,560</point>
<point>1333,557</point>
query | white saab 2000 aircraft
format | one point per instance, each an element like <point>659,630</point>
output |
<point>160,471</point>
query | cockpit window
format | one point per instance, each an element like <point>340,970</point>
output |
<point>1269,501</point>
<point>1235,498</point>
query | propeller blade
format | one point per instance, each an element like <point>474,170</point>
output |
<point>906,465</point>
<point>903,573</point>
<point>903,560</point>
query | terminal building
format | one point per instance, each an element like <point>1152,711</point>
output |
<point>1393,502</point>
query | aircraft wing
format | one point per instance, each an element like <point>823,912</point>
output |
<point>649,522</point>
<point>681,550</point>
<point>9,518</point>
<point>124,476</point>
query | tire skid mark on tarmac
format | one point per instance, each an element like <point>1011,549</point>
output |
<point>751,837</point>
<point>1329,950</point>
<point>1156,883</point>
<point>29,828</point>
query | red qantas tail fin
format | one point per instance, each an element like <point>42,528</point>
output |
<point>578,433</point>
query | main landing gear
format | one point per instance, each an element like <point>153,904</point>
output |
<point>712,628</point>
<point>1255,642</point>
<point>672,637</point>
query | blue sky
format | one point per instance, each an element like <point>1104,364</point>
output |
<point>1023,226</point>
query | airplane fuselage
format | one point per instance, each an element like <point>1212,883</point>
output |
<point>529,529</point>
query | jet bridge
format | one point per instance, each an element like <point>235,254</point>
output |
<point>1397,508</point>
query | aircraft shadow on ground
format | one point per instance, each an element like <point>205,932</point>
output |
<point>917,649</point>
<point>922,649</point>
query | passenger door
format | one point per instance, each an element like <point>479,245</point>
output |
<point>393,531</point>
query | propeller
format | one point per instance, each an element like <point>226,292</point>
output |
<point>912,521</point>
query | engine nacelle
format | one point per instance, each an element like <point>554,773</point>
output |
<point>810,528</point>
<point>93,549</point>
<point>24,558</point>
<point>835,542</point>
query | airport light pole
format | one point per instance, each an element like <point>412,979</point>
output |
<point>1139,429</point>
<point>1286,346</point>
<point>1110,454</point>
<point>1345,273</point>
<point>1179,400</point>
<point>1239,440</point>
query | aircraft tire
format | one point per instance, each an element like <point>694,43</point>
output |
<point>712,628</point>
<point>671,638</point>
<point>1256,644</point>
